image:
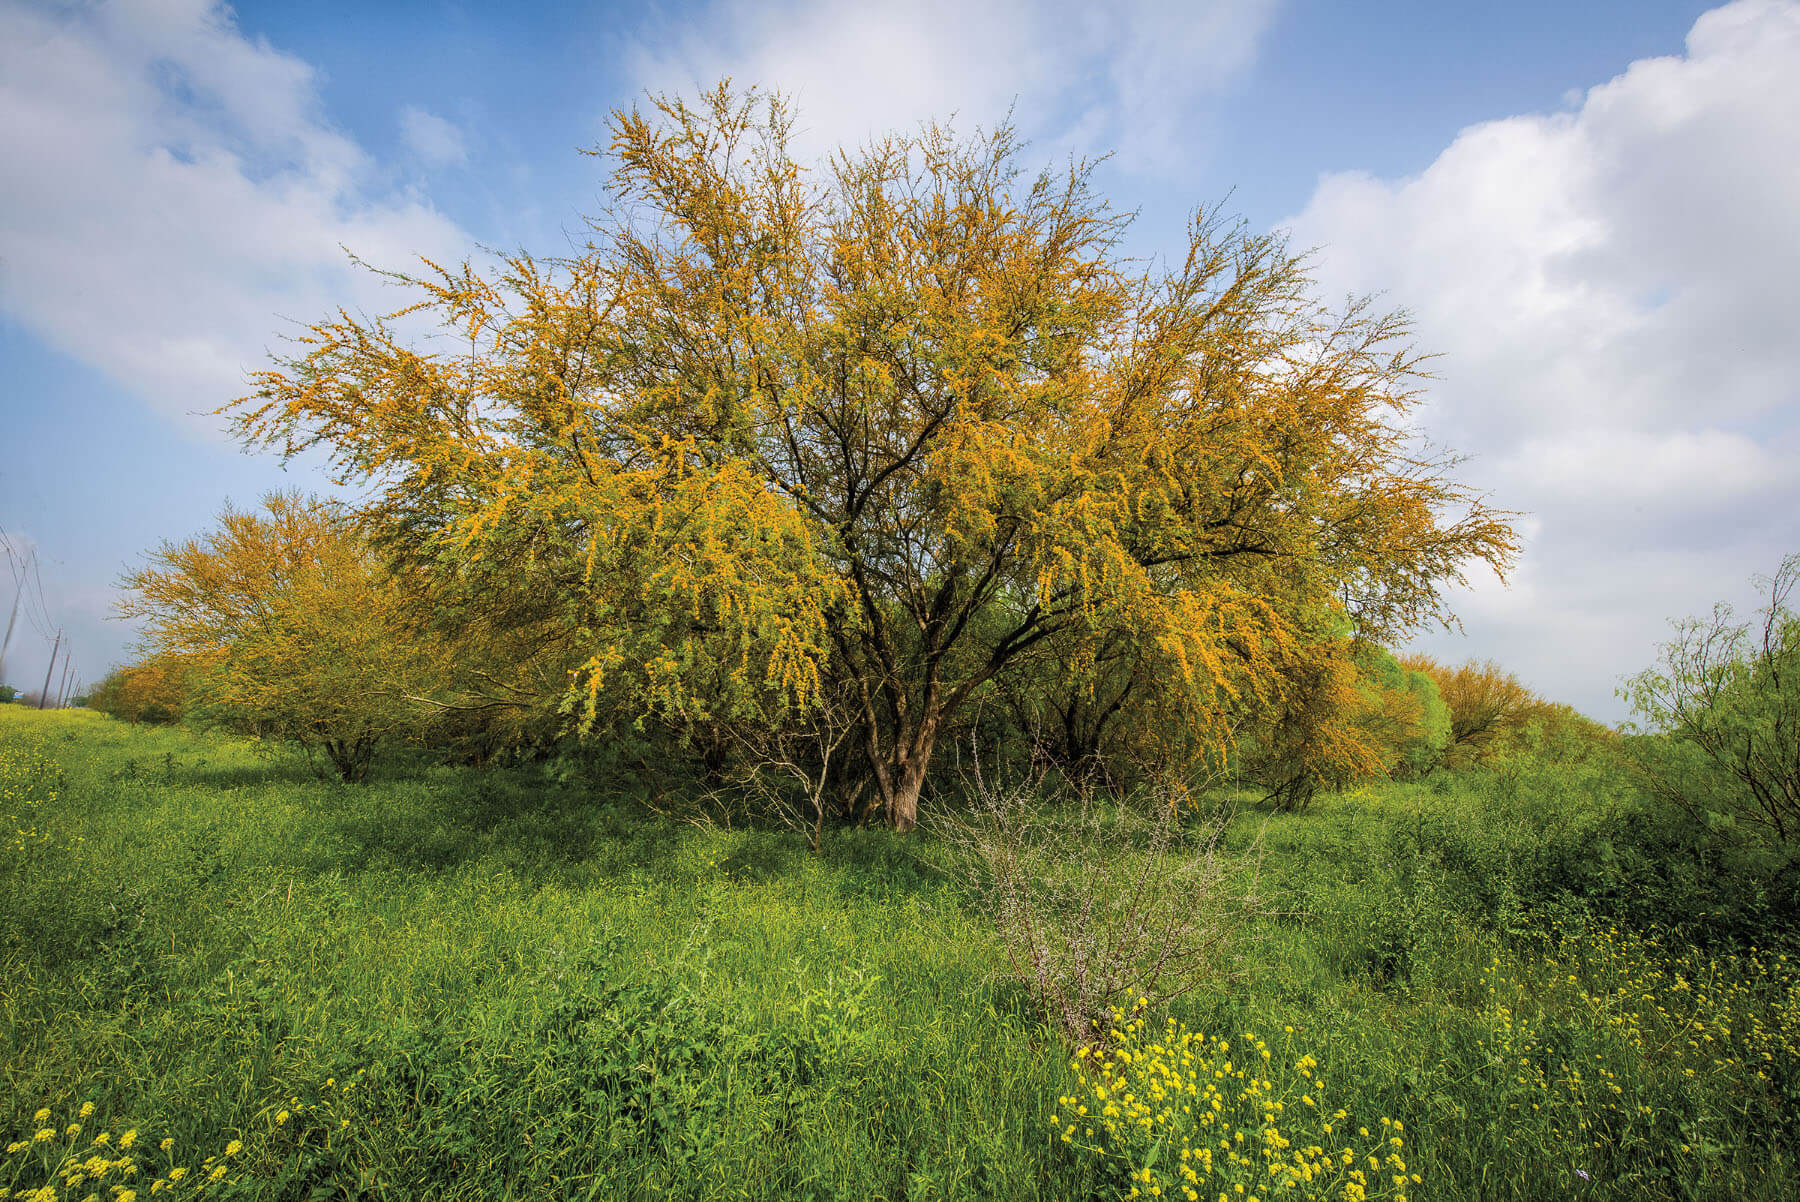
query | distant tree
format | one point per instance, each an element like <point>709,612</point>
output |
<point>1402,712</point>
<point>1494,718</point>
<point>1726,694</point>
<point>904,425</point>
<point>7,693</point>
<point>286,624</point>
<point>1486,704</point>
<point>1358,713</point>
<point>153,690</point>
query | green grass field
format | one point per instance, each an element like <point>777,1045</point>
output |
<point>494,985</point>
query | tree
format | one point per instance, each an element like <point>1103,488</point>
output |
<point>1727,693</point>
<point>1355,713</point>
<point>906,423</point>
<point>1495,718</point>
<point>1311,741</point>
<point>1402,712</point>
<point>153,690</point>
<point>1486,704</point>
<point>7,693</point>
<point>285,624</point>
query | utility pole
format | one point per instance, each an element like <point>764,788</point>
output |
<point>7,642</point>
<point>62,698</point>
<point>55,647</point>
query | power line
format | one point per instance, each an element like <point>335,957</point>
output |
<point>14,617</point>
<point>29,579</point>
<point>19,592</point>
<point>37,580</point>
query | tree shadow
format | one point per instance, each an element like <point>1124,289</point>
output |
<point>874,864</point>
<point>202,773</point>
<point>545,833</point>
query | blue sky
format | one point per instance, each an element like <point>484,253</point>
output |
<point>1587,208</point>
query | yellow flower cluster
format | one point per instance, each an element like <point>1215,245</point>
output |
<point>322,1115</point>
<point>53,1165</point>
<point>29,779</point>
<point>55,1162</point>
<point>1630,1016</point>
<point>1190,1117</point>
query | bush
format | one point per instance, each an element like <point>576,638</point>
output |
<point>1727,696</point>
<point>1095,904</point>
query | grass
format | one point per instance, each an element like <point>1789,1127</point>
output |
<point>492,985</point>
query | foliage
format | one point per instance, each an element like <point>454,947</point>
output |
<point>1495,719</point>
<point>1179,1115</point>
<point>7,693</point>
<point>1402,713</point>
<point>906,422</point>
<point>1727,695</point>
<point>287,625</point>
<point>1486,704</point>
<point>1311,742</point>
<point>153,690</point>
<point>1355,713</point>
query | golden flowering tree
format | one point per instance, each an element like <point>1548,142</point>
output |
<point>152,690</point>
<point>908,420</point>
<point>1487,703</point>
<point>290,627</point>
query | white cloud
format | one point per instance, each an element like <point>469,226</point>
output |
<point>1087,78</point>
<point>1611,291</point>
<point>431,139</point>
<point>172,192</point>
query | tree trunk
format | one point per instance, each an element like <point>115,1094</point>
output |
<point>351,758</point>
<point>900,775</point>
<point>903,808</point>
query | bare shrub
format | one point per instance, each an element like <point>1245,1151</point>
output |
<point>791,773</point>
<point>1098,904</point>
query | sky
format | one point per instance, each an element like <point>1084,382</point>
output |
<point>1587,210</point>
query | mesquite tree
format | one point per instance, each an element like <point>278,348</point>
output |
<point>901,423</point>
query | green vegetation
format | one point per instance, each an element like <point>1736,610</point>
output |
<point>681,594</point>
<point>522,982</point>
<point>1728,694</point>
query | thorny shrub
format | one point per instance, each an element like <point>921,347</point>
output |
<point>1097,903</point>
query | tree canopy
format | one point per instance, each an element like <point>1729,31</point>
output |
<point>884,433</point>
<point>282,622</point>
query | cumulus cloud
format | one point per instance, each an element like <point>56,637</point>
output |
<point>1610,289</point>
<point>172,191</point>
<point>431,139</point>
<point>1086,77</point>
